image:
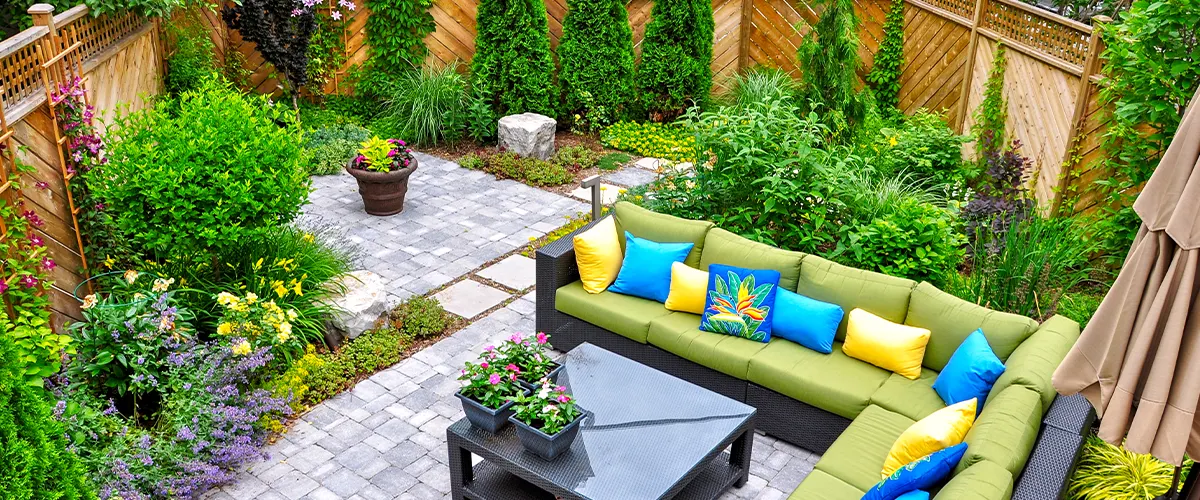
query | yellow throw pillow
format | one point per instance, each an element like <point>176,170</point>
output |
<point>598,254</point>
<point>688,289</point>
<point>899,348</point>
<point>941,429</point>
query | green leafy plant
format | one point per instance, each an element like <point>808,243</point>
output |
<point>488,382</point>
<point>512,69</point>
<point>192,58</point>
<point>675,71</point>
<point>479,118</point>
<point>531,171</point>
<point>250,323</point>
<point>1080,306</point>
<point>596,54</point>
<point>884,77</point>
<point>758,84</point>
<point>922,145</point>
<point>531,355</point>
<point>612,161</point>
<point>331,147</point>
<point>197,176</point>
<point>425,106</point>
<point>548,408</point>
<point>326,49</point>
<point>575,158</point>
<point>990,129</point>
<point>828,64</point>
<point>472,161</point>
<point>672,142</point>
<point>382,155</point>
<point>149,8</point>
<point>1107,472</point>
<point>396,30</point>
<point>420,317</point>
<point>912,239</point>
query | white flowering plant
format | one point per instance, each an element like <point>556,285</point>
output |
<point>548,409</point>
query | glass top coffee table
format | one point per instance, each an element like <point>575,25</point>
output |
<point>647,435</point>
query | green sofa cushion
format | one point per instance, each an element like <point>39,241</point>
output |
<point>858,454</point>
<point>879,294</point>
<point>983,481</point>
<point>661,228</point>
<point>622,314</point>
<point>1006,430</point>
<point>1033,363</point>
<point>820,485</point>
<point>724,247</point>
<point>914,399</point>
<point>833,382</point>
<point>679,333</point>
<point>950,319</point>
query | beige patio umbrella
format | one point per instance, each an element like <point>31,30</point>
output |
<point>1138,360</point>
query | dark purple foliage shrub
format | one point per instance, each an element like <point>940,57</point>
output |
<point>1002,199</point>
<point>281,30</point>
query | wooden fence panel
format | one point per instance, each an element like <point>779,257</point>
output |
<point>935,57</point>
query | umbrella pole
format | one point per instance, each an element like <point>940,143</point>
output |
<point>1173,493</point>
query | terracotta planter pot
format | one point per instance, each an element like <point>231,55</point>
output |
<point>383,192</point>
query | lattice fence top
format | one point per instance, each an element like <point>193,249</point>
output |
<point>1058,37</point>
<point>99,33</point>
<point>20,67</point>
<point>961,8</point>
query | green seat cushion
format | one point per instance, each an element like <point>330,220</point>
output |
<point>724,247</point>
<point>879,294</point>
<point>1006,430</point>
<point>1033,363</point>
<point>621,314</point>
<point>820,485</point>
<point>858,454</point>
<point>679,333</point>
<point>950,319</point>
<point>914,399</point>
<point>832,382</point>
<point>661,228</point>
<point>982,481</point>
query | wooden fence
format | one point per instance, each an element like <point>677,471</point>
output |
<point>118,58</point>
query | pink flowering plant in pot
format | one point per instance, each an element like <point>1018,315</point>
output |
<point>547,420</point>
<point>489,390</point>
<point>532,355</point>
<point>382,168</point>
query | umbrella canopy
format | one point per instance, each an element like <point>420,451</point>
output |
<point>1138,360</point>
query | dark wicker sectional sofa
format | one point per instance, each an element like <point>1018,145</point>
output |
<point>1043,476</point>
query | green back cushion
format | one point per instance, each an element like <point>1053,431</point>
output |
<point>951,319</point>
<point>982,481</point>
<point>1006,430</point>
<point>661,228</point>
<point>879,294</point>
<point>724,247</point>
<point>1033,363</point>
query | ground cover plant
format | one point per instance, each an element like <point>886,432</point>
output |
<point>332,146</point>
<point>671,142</point>
<point>509,165</point>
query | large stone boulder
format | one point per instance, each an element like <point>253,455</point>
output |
<point>360,306</point>
<point>528,134</point>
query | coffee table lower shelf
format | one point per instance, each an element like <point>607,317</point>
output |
<point>490,482</point>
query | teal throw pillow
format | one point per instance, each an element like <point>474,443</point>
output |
<point>914,495</point>
<point>739,302</point>
<point>810,323</point>
<point>646,268</point>
<point>919,474</point>
<point>970,373</point>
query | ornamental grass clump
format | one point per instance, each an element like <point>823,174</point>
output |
<point>1108,472</point>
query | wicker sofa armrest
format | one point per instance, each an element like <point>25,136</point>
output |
<point>555,268</point>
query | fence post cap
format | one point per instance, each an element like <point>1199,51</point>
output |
<point>41,8</point>
<point>1102,19</point>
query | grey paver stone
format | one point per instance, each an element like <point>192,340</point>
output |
<point>344,482</point>
<point>396,430</point>
<point>405,453</point>
<point>358,456</point>
<point>323,493</point>
<point>394,480</point>
<point>468,298</point>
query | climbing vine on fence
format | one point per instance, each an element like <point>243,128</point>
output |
<point>396,30</point>
<point>989,129</point>
<point>889,61</point>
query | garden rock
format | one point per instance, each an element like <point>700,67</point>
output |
<point>528,134</point>
<point>362,303</point>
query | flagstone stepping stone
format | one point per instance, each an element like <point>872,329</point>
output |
<point>608,193</point>
<point>515,271</point>
<point>631,177</point>
<point>468,298</point>
<point>649,163</point>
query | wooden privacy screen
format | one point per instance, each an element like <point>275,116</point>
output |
<point>948,49</point>
<point>118,58</point>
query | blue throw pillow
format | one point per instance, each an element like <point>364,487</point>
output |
<point>810,323</point>
<point>919,474</point>
<point>739,302</point>
<point>970,373</point>
<point>646,269</point>
<point>914,495</point>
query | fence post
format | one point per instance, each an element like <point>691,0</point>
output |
<point>746,27</point>
<point>43,15</point>
<point>1091,66</point>
<point>969,69</point>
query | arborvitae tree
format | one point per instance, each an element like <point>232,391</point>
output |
<point>675,70</point>
<point>829,64</point>
<point>596,53</point>
<point>512,61</point>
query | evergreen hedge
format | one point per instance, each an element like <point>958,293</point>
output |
<point>596,53</point>
<point>675,70</point>
<point>512,64</point>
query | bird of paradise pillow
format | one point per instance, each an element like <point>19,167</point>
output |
<point>739,302</point>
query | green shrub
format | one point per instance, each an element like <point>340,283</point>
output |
<point>675,70</point>
<point>472,161</point>
<point>671,142</point>
<point>829,64</point>
<point>575,158</point>
<point>479,119</point>
<point>612,161</point>
<point>531,171</point>
<point>596,53</point>
<point>884,77</point>
<point>512,69</point>
<point>366,354</point>
<point>198,176</point>
<point>192,59</point>
<point>425,106</point>
<point>922,145</point>
<point>420,317</point>
<point>1108,472</point>
<point>1080,306</point>
<point>331,147</point>
<point>33,447</point>
<point>759,84</point>
<point>912,239</point>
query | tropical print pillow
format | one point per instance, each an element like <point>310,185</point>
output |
<point>739,302</point>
